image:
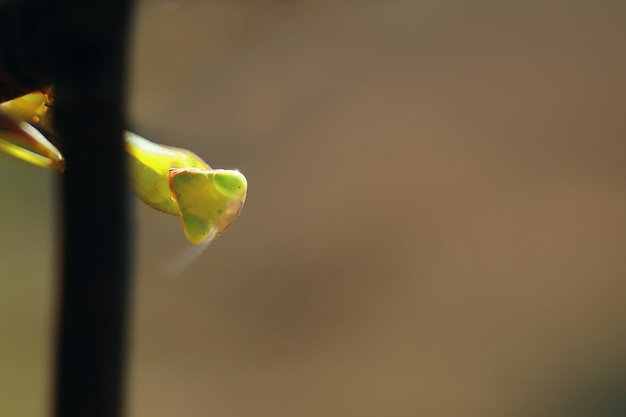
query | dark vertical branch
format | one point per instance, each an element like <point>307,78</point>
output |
<point>80,47</point>
<point>89,76</point>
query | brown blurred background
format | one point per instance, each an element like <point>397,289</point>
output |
<point>435,224</point>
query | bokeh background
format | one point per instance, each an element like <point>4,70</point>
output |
<point>436,222</point>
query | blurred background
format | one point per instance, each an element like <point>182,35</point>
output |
<point>435,224</point>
